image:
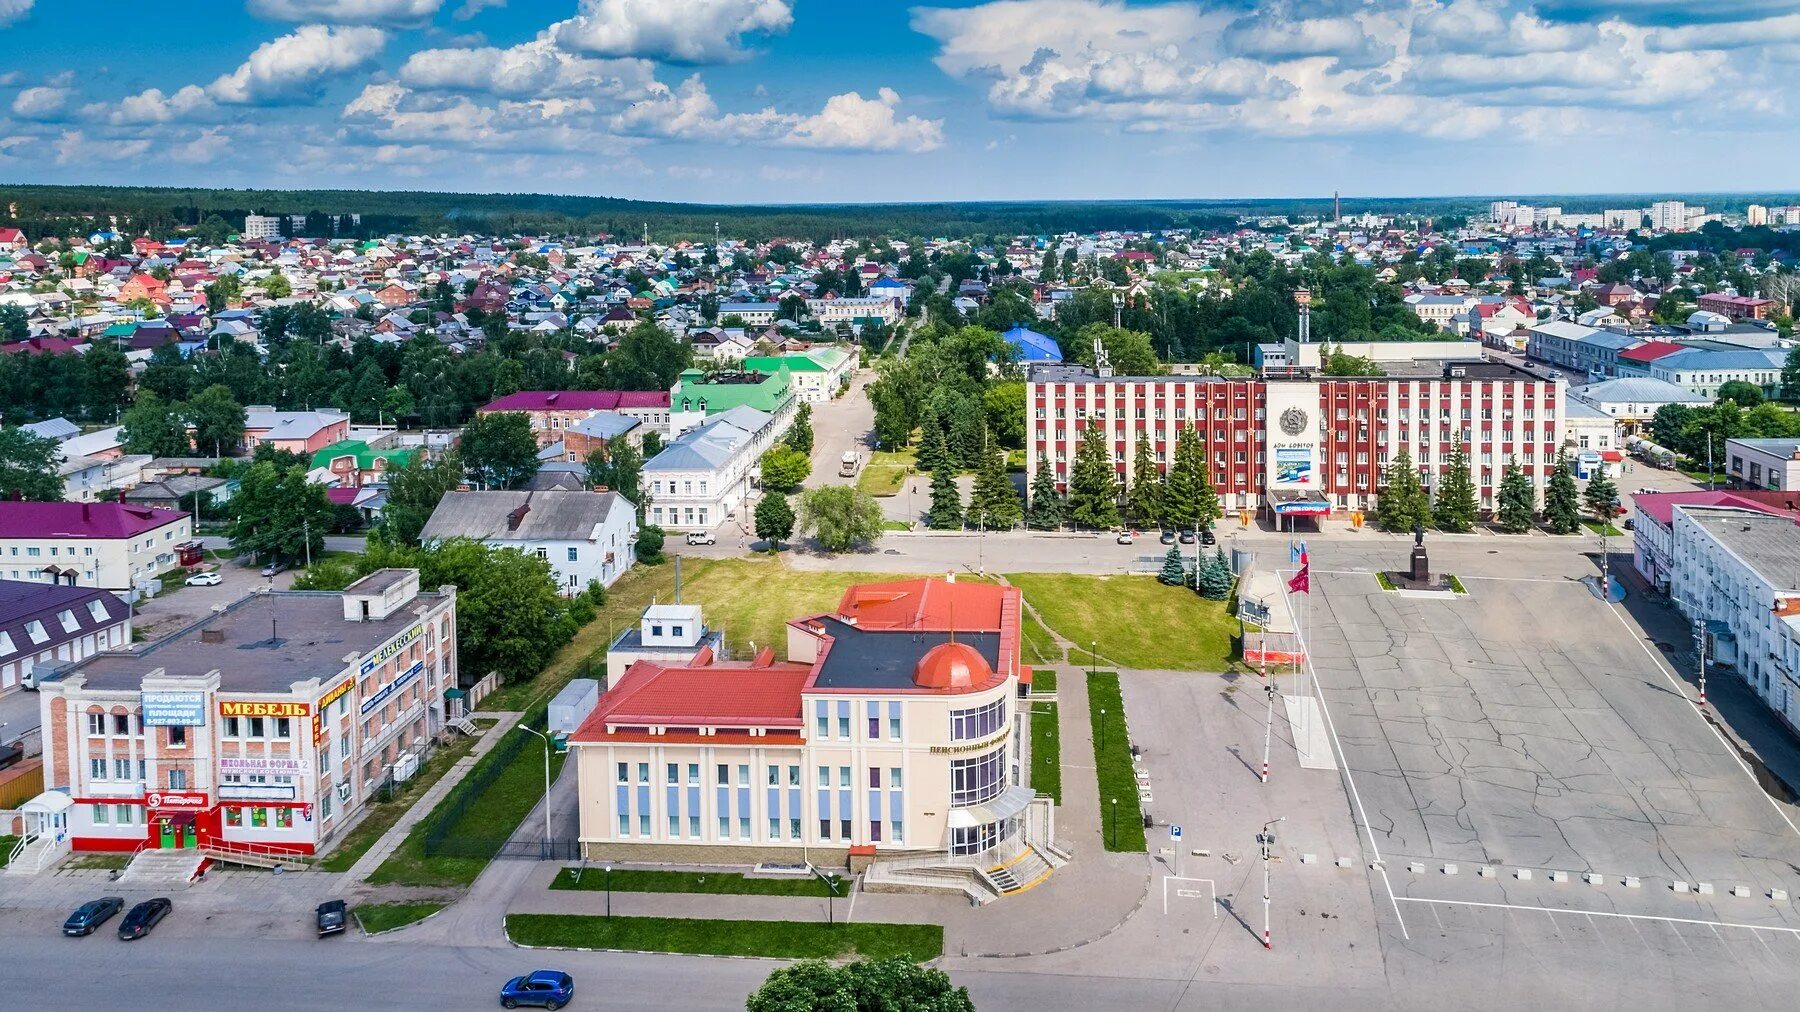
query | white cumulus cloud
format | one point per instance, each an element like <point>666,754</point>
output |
<point>848,122</point>
<point>692,31</point>
<point>13,10</point>
<point>532,69</point>
<point>292,66</point>
<point>41,103</point>
<point>397,13</point>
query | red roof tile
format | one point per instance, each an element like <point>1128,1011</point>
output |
<point>708,695</point>
<point>936,605</point>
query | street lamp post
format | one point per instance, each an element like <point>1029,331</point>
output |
<point>1266,839</point>
<point>547,839</point>
<point>1268,727</point>
<point>609,890</point>
<point>1103,729</point>
<point>1113,832</point>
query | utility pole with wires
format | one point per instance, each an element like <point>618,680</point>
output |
<point>1266,839</point>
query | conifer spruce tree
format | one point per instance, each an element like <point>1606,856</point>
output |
<point>994,504</point>
<point>946,513</point>
<point>1456,507</point>
<point>1047,511</point>
<point>1601,496</point>
<point>1187,477</point>
<point>1144,501</point>
<point>1174,570</point>
<point>1562,502</point>
<point>1402,501</point>
<point>1094,483</point>
<point>1518,501</point>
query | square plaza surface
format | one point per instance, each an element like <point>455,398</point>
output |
<point>1527,726</point>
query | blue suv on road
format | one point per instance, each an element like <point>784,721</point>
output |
<point>549,989</point>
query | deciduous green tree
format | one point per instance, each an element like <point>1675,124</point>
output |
<point>106,381</point>
<point>888,985</point>
<point>155,426</point>
<point>840,517</point>
<point>218,420</point>
<point>414,491</point>
<point>278,514</point>
<point>619,467</point>
<point>499,450</point>
<point>784,468</point>
<point>774,519</point>
<point>28,465</point>
<point>800,434</point>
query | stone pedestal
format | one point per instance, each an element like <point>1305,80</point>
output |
<point>1421,567</point>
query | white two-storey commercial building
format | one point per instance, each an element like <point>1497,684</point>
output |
<point>1737,572</point>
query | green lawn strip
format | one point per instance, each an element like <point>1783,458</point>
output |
<point>1040,646</point>
<point>487,822</point>
<point>701,937</point>
<point>383,814</point>
<point>1135,621</point>
<point>1387,582</point>
<point>1122,825</point>
<point>1607,529</point>
<point>7,843</point>
<point>635,880</point>
<point>1043,681</point>
<point>886,472</point>
<point>1046,751</point>
<point>378,917</point>
<point>1455,584</point>
<point>97,862</point>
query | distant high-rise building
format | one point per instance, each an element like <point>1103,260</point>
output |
<point>264,226</point>
<point>1756,214</point>
<point>1630,217</point>
<point>1672,215</point>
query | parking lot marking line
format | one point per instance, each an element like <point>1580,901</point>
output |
<point>1663,667</point>
<point>1355,795</point>
<point>1597,932</point>
<point>1714,925</point>
<point>1210,885</point>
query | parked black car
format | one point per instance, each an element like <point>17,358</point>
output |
<point>92,914</point>
<point>1207,537</point>
<point>143,917</point>
<point>331,917</point>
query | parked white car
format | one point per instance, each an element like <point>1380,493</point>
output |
<point>701,538</point>
<point>205,580</point>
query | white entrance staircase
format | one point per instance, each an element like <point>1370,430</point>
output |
<point>172,867</point>
<point>33,854</point>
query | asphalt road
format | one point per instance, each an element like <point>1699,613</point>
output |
<point>844,423</point>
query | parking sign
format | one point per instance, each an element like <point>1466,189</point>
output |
<point>1174,832</point>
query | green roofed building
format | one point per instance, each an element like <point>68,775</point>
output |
<point>353,462</point>
<point>816,374</point>
<point>698,395</point>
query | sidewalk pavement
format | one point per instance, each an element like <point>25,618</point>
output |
<point>391,840</point>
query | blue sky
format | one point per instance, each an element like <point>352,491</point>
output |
<point>870,100</point>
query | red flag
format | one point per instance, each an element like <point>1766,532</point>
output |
<point>1302,581</point>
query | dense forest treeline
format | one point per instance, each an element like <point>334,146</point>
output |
<point>59,210</point>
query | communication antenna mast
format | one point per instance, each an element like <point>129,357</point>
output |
<point>1102,364</point>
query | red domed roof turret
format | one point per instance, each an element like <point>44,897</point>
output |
<point>953,666</point>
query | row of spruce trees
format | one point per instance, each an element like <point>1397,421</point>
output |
<point>1405,503</point>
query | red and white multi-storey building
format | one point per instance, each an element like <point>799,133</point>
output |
<point>1310,446</point>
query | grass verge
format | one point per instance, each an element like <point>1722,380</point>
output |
<point>97,862</point>
<point>383,814</point>
<point>886,472</point>
<point>378,917</point>
<point>1046,751</point>
<point>700,937</point>
<point>1135,621</point>
<point>1383,579</point>
<point>707,883</point>
<point>479,831</point>
<point>1599,528</point>
<point>1456,584</point>
<point>1040,646</point>
<point>1122,822</point>
<point>7,843</point>
<point>1043,681</point>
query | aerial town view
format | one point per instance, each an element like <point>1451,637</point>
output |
<point>779,505</point>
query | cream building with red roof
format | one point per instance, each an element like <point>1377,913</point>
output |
<point>892,734</point>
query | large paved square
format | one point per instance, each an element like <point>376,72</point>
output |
<point>1527,726</point>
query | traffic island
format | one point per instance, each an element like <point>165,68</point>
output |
<point>707,937</point>
<point>1121,818</point>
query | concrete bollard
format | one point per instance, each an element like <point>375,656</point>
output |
<point>1704,889</point>
<point>1449,869</point>
<point>1343,862</point>
<point>1309,859</point>
<point>1679,886</point>
<point>1594,878</point>
<point>1778,895</point>
<point>1486,871</point>
<point>1416,867</point>
<point>1741,892</point>
<point>1523,874</point>
<point>1631,882</point>
<point>1559,876</point>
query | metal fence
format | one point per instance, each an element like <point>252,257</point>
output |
<point>441,836</point>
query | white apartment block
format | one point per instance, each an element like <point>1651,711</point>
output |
<point>1738,572</point>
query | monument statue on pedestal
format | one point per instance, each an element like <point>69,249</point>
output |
<point>1421,563</point>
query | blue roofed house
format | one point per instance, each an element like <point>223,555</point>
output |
<point>1033,346</point>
